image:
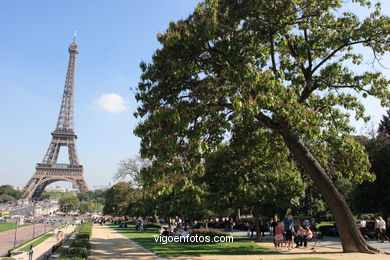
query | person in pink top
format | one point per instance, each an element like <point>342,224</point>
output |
<point>279,236</point>
<point>300,236</point>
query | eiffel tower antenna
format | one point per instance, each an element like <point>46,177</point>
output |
<point>49,171</point>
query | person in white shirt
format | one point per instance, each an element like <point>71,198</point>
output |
<point>363,227</point>
<point>376,228</point>
<point>382,229</point>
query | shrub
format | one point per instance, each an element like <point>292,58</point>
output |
<point>77,252</point>
<point>80,246</point>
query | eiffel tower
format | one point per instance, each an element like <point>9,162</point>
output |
<point>49,171</point>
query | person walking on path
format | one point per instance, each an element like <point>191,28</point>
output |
<point>273,225</point>
<point>382,230</point>
<point>30,253</point>
<point>289,229</point>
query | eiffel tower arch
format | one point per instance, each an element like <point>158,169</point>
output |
<point>49,171</point>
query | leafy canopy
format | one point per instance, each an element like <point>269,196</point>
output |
<point>270,64</point>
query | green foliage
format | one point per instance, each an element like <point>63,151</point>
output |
<point>5,198</point>
<point>274,71</point>
<point>384,126</point>
<point>8,193</point>
<point>79,249</point>
<point>53,195</point>
<point>96,196</point>
<point>239,178</point>
<point>86,207</point>
<point>69,203</point>
<point>121,200</point>
<point>374,194</point>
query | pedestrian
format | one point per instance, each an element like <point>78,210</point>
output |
<point>289,229</point>
<point>247,227</point>
<point>252,228</point>
<point>376,228</point>
<point>382,230</point>
<point>273,226</point>
<point>30,253</point>
<point>314,225</point>
<point>278,236</point>
<point>363,227</point>
<point>306,223</point>
<point>300,237</point>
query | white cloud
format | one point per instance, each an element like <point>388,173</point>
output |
<point>112,102</point>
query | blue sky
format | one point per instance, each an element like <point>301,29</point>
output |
<point>113,37</point>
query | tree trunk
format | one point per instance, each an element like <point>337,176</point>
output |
<point>351,238</point>
<point>238,214</point>
<point>257,223</point>
<point>155,218</point>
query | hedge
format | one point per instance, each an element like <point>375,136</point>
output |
<point>79,249</point>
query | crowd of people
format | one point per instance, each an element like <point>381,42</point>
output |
<point>288,232</point>
<point>379,229</point>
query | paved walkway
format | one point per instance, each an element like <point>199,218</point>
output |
<point>106,243</point>
<point>46,245</point>
<point>306,253</point>
<point>332,242</point>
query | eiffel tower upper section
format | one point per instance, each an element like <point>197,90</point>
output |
<point>65,122</point>
<point>64,133</point>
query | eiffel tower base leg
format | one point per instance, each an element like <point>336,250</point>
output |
<point>45,176</point>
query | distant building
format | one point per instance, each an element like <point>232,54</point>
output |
<point>56,189</point>
<point>17,188</point>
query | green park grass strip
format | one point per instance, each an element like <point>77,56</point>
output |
<point>4,226</point>
<point>240,246</point>
<point>36,241</point>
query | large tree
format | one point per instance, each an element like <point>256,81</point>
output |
<point>121,199</point>
<point>375,194</point>
<point>384,126</point>
<point>285,64</point>
<point>69,203</point>
<point>8,193</point>
<point>236,177</point>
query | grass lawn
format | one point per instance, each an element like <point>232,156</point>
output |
<point>4,226</point>
<point>240,246</point>
<point>36,242</point>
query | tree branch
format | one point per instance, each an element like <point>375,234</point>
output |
<point>337,50</point>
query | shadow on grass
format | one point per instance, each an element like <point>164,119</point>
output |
<point>240,246</point>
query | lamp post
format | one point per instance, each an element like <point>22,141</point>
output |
<point>16,228</point>
<point>34,220</point>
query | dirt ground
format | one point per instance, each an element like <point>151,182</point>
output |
<point>320,252</point>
